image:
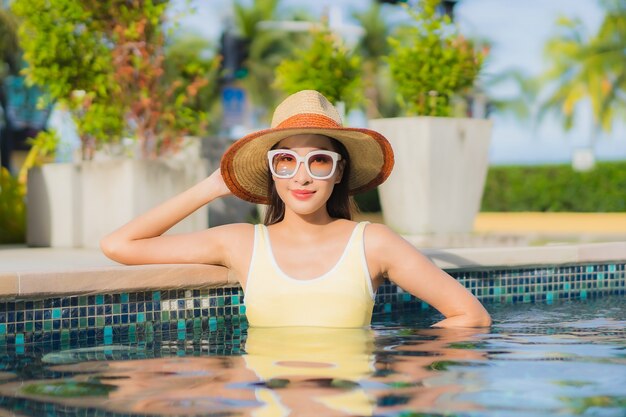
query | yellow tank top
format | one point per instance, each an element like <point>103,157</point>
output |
<point>342,297</point>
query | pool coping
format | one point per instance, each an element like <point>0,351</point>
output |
<point>106,277</point>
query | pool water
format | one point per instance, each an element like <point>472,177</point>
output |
<point>564,359</point>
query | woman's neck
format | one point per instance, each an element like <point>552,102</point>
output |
<point>303,222</point>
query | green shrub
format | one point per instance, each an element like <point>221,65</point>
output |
<point>105,60</point>
<point>12,209</point>
<point>556,188</point>
<point>544,188</point>
<point>431,62</point>
<point>327,66</point>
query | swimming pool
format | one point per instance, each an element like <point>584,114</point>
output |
<point>565,358</point>
<point>173,340</point>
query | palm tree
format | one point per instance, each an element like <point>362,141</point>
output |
<point>585,67</point>
<point>267,48</point>
<point>247,18</point>
<point>373,47</point>
<point>524,104</point>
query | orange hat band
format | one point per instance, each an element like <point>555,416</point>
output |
<point>309,120</point>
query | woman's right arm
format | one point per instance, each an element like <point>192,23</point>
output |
<point>141,241</point>
<point>415,273</point>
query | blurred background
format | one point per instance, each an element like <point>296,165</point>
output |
<point>519,34</point>
<point>552,79</point>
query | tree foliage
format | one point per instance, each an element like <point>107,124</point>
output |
<point>523,102</point>
<point>325,65</point>
<point>105,60</point>
<point>10,51</point>
<point>268,47</point>
<point>189,57</point>
<point>12,208</point>
<point>373,47</point>
<point>589,67</point>
<point>248,18</point>
<point>431,63</point>
<point>71,60</point>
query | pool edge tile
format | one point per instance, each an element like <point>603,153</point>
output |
<point>602,252</point>
<point>503,257</point>
<point>122,279</point>
<point>462,258</point>
<point>9,284</point>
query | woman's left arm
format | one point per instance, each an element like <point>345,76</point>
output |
<point>396,258</point>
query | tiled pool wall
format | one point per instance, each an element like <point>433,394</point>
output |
<point>145,315</point>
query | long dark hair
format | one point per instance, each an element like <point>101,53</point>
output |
<point>339,205</point>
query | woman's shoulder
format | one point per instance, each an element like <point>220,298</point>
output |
<point>234,232</point>
<point>236,227</point>
<point>377,228</point>
<point>379,235</point>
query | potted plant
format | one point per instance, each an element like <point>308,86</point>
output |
<point>105,61</point>
<point>327,66</point>
<point>441,160</point>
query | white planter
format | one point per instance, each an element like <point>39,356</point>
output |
<point>116,191</point>
<point>53,213</point>
<point>75,205</point>
<point>437,184</point>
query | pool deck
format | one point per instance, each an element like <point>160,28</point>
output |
<point>499,240</point>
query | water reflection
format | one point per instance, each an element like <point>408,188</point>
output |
<point>284,371</point>
<point>560,359</point>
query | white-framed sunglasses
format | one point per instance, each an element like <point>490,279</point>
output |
<point>320,164</point>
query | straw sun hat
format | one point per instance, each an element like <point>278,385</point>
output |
<point>244,164</point>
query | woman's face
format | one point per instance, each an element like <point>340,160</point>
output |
<point>302,193</point>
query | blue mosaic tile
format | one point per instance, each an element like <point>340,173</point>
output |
<point>189,310</point>
<point>523,285</point>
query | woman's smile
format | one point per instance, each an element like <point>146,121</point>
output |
<point>302,194</point>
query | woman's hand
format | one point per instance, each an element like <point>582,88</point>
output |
<point>217,184</point>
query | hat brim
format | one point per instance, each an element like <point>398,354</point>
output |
<point>245,171</point>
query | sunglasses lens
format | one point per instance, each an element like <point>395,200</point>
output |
<point>320,165</point>
<point>284,164</point>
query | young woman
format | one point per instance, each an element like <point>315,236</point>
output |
<point>310,264</point>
